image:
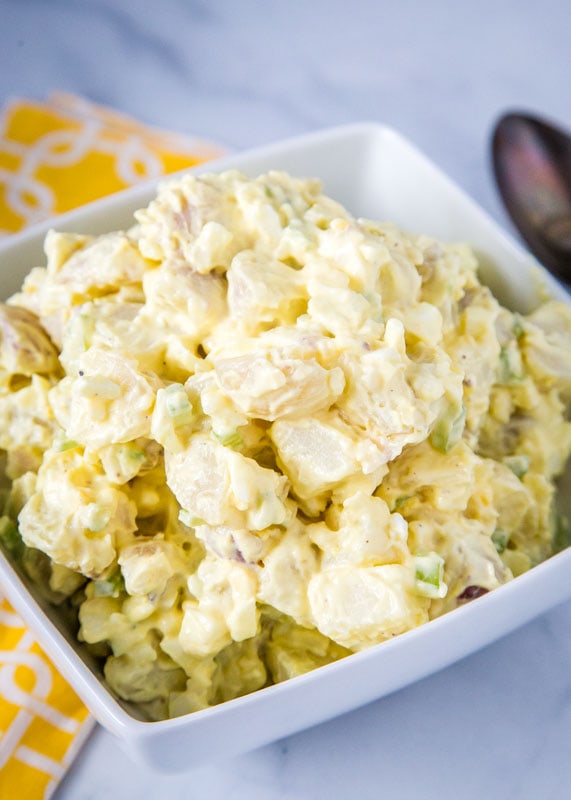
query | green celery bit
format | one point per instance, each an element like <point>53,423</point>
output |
<point>65,444</point>
<point>176,401</point>
<point>233,439</point>
<point>500,540</point>
<point>429,575</point>
<point>80,330</point>
<point>517,326</point>
<point>10,536</point>
<point>8,510</point>
<point>112,586</point>
<point>448,428</point>
<point>178,406</point>
<point>400,501</point>
<point>509,371</point>
<point>189,520</point>
<point>133,452</point>
<point>519,464</point>
<point>98,518</point>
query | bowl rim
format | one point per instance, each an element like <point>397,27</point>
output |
<point>120,722</point>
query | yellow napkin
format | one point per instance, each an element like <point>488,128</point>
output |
<point>55,156</point>
<point>61,154</point>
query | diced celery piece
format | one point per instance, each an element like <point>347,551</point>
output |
<point>500,540</point>
<point>10,536</point>
<point>400,501</point>
<point>132,453</point>
<point>188,519</point>
<point>517,326</point>
<point>510,367</point>
<point>97,517</point>
<point>519,464</point>
<point>111,586</point>
<point>62,444</point>
<point>232,439</point>
<point>177,404</point>
<point>80,331</point>
<point>448,429</point>
<point>8,509</point>
<point>429,576</point>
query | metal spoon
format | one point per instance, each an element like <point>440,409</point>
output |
<point>532,165</point>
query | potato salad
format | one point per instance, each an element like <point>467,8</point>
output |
<point>253,434</point>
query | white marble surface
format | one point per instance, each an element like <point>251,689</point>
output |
<point>497,724</point>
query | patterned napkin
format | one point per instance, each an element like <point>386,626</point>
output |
<point>55,156</point>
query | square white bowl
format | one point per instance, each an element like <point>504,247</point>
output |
<point>377,174</point>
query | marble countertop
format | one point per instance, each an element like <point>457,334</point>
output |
<point>496,724</point>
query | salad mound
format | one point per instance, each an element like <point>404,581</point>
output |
<point>253,434</point>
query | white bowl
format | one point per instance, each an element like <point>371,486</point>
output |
<point>377,174</point>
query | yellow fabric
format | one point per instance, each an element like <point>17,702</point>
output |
<point>55,156</point>
<point>58,155</point>
<point>42,721</point>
